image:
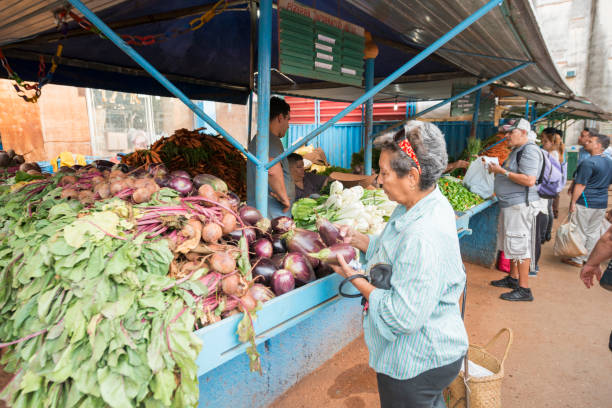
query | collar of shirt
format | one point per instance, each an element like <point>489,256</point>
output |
<point>403,218</point>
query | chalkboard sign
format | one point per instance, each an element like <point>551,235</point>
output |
<point>317,45</point>
<point>465,105</point>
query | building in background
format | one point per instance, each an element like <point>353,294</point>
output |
<point>578,34</point>
<point>96,122</point>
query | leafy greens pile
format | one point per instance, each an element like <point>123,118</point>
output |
<point>87,310</point>
<point>460,198</point>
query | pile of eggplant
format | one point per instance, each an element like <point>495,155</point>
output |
<point>285,257</point>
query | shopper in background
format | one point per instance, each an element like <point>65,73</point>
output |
<point>542,211</point>
<point>306,183</point>
<point>585,135</point>
<point>590,194</point>
<point>280,184</point>
<point>553,144</point>
<point>413,331</point>
<point>515,187</point>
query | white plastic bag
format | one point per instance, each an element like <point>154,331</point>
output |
<point>478,179</point>
<point>569,242</point>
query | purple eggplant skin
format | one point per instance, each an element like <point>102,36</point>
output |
<point>305,242</point>
<point>330,234</point>
<point>278,260</point>
<point>282,282</point>
<point>330,255</point>
<point>282,225</point>
<point>298,265</point>
<point>235,235</point>
<point>249,215</point>
<point>323,270</point>
<point>278,245</point>
<point>263,270</point>
<point>263,248</point>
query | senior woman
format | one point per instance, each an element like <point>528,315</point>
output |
<point>414,331</point>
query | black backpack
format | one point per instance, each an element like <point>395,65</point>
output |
<point>541,175</point>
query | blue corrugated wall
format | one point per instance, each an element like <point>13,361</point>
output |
<point>342,140</point>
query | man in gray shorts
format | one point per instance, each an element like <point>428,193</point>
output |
<point>515,187</point>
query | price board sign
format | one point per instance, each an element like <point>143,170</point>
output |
<point>465,105</point>
<point>314,44</point>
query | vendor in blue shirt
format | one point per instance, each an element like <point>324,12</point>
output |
<point>413,330</point>
<point>590,194</point>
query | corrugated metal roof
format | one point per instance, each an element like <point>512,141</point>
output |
<point>510,31</point>
<point>579,107</point>
<point>22,19</point>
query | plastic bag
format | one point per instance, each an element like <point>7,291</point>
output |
<point>569,243</point>
<point>503,263</point>
<point>478,179</point>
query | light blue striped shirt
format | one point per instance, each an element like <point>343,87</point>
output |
<point>416,325</point>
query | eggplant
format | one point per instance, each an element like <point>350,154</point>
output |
<point>120,166</point>
<point>278,245</point>
<point>329,233</point>
<point>180,173</point>
<point>263,226</point>
<point>305,242</point>
<point>233,199</point>
<point>215,182</point>
<point>182,185</point>
<point>264,268</point>
<point>278,260</point>
<point>4,159</point>
<point>249,215</point>
<point>10,153</point>
<point>282,282</point>
<point>237,234</point>
<point>299,266</point>
<point>323,270</point>
<point>330,255</point>
<point>103,164</point>
<point>282,225</point>
<point>263,248</point>
<point>30,166</point>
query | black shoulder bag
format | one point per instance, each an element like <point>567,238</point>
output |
<point>380,277</point>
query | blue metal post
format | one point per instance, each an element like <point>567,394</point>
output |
<point>533,113</point>
<point>454,98</point>
<point>474,130</point>
<point>387,81</point>
<point>369,115</point>
<point>549,112</point>
<point>264,56</point>
<point>110,34</point>
<point>527,109</point>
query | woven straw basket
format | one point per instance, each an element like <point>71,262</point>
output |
<point>484,392</point>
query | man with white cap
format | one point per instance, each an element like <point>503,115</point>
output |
<point>515,187</point>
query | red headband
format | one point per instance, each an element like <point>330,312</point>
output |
<point>407,148</point>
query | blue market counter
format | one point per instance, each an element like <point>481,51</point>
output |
<point>296,333</point>
<point>477,229</point>
<point>299,331</point>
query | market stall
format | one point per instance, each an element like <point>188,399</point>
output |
<point>292,333</point>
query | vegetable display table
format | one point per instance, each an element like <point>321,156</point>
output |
<point>296,333</point>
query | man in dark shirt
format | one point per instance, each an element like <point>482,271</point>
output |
<point>590,194</point>
<point>306,183</point>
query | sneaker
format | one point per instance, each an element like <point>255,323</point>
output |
<point>533,274</point>
<point>507,282</point>
<point>610,344</point>
<point>518,295</point>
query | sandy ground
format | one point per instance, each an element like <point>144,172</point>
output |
<point>560,356</point>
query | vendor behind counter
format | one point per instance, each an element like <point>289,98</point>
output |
<point>306,183</point>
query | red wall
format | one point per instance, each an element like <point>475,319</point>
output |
<point>303,111</point>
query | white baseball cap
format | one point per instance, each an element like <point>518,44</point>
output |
<point>517,124</point>
<point>532,136</point>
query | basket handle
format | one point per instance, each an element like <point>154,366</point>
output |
<point>497,336</point>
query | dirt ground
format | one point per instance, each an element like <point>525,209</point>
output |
<point>560,356</point>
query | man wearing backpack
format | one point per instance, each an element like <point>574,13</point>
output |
<point>590,194</point>
<point>515,187</point>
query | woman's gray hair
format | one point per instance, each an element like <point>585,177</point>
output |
<point>429,146</point>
